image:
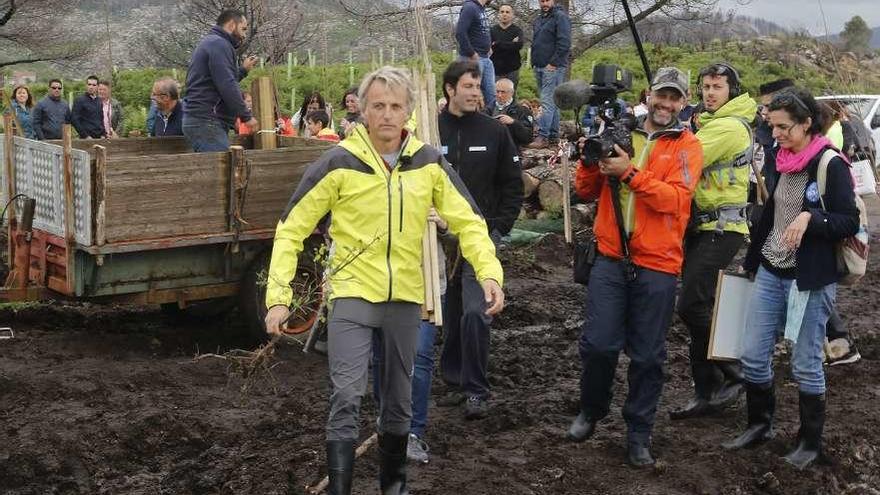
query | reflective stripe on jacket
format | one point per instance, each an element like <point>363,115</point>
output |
<point>380,216</point>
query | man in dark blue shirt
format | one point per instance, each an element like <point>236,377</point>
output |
<point>551,44</point>
<point>213,98</point>
<point>169,108</point>
<point>475,44</point>
<point>87,116</point>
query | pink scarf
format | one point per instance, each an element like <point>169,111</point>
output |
<point>788,162</point>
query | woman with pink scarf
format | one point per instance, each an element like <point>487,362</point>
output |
<point>792,260</point>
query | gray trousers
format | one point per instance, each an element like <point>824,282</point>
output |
<point>350,330</point>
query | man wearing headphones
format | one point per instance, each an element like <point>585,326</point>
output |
<point>717,230</point>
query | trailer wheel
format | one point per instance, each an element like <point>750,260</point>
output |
<point>306,287</point>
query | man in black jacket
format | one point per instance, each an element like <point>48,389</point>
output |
<point>481,151</point>
<point>87,116</point>
<point>517,118</point>
<point>507,41</point>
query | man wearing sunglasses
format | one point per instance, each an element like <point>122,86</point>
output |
<point>88,112</point>
<point>51,113</point>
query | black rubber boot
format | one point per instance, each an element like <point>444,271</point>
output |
<point>392,467</point>
<point>730,389</point>
<point>340,466</point>
<point>638,455</point>
<point>705,382</point>
<point>581,428</point>
<point>809,438</point>
<point>760,403</point>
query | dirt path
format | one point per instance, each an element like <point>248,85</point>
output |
<point>100,400</point>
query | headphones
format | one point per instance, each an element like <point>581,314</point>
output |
<point>721,69</point>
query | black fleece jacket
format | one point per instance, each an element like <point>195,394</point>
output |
<point>816,260</point>
<point>481,151</point>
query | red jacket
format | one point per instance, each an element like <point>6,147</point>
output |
<point>660,204</point>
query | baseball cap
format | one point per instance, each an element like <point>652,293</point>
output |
<point>670,77</point>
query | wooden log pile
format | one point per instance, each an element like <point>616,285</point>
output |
<point>543,190</point>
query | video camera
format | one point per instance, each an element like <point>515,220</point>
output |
<point>615,125</point>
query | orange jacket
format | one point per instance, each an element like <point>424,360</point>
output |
<point>658,200</point>
<point>327,135</point>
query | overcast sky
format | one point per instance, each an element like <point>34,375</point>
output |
<point>807,13</point>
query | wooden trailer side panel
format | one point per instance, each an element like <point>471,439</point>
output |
<point>165,196</point>
<point>274,175</point>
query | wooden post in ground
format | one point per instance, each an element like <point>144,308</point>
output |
<point>263,94</point>
<point>566,194</point>
<point>69,204</point>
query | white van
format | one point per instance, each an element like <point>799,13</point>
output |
<point>868,108</point>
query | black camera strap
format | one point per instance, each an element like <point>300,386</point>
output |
<point>628,266</point>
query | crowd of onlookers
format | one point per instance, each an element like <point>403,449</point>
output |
<point>95,113</point>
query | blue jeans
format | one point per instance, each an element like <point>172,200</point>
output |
<point>205,134</point>
<point>548,123</point>
<point>421,381</point>
<point>766,320</point>
<point>487,79</point>
<point>631,317</point>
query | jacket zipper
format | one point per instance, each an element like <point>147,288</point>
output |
<point>390,227</point>
<point>457,150</point>
<point>400,191</point>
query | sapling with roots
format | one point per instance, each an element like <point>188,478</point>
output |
<point>254,367</point>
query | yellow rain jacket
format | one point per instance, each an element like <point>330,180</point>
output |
<point>378,218</point>
<point>722,192</point>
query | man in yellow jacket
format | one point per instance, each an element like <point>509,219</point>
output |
<point>379,185</point>
<point>719,225</point>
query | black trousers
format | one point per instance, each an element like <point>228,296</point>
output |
<point>464,362</point>
<point>629,316</point>
<point>705,253</point>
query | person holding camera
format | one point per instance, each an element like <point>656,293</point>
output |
<point>719,226</point>
<point>632,284</point>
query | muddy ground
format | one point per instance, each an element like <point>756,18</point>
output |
<point>109,400</point>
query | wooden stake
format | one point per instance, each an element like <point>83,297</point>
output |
<point>9,159</point>
<point>100,195</point>
<point>263,93</point>
<point>69,204</point>
<point>435,273</point>
<point>566,195</point>
<point>428,306</point>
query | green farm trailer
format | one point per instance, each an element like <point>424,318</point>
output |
<point>147,221</point>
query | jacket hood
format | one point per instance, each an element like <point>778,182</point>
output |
<point>743,106</point>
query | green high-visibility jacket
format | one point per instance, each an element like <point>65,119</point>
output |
<point>727,154</point>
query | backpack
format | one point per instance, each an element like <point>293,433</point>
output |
<point>852,252</point>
